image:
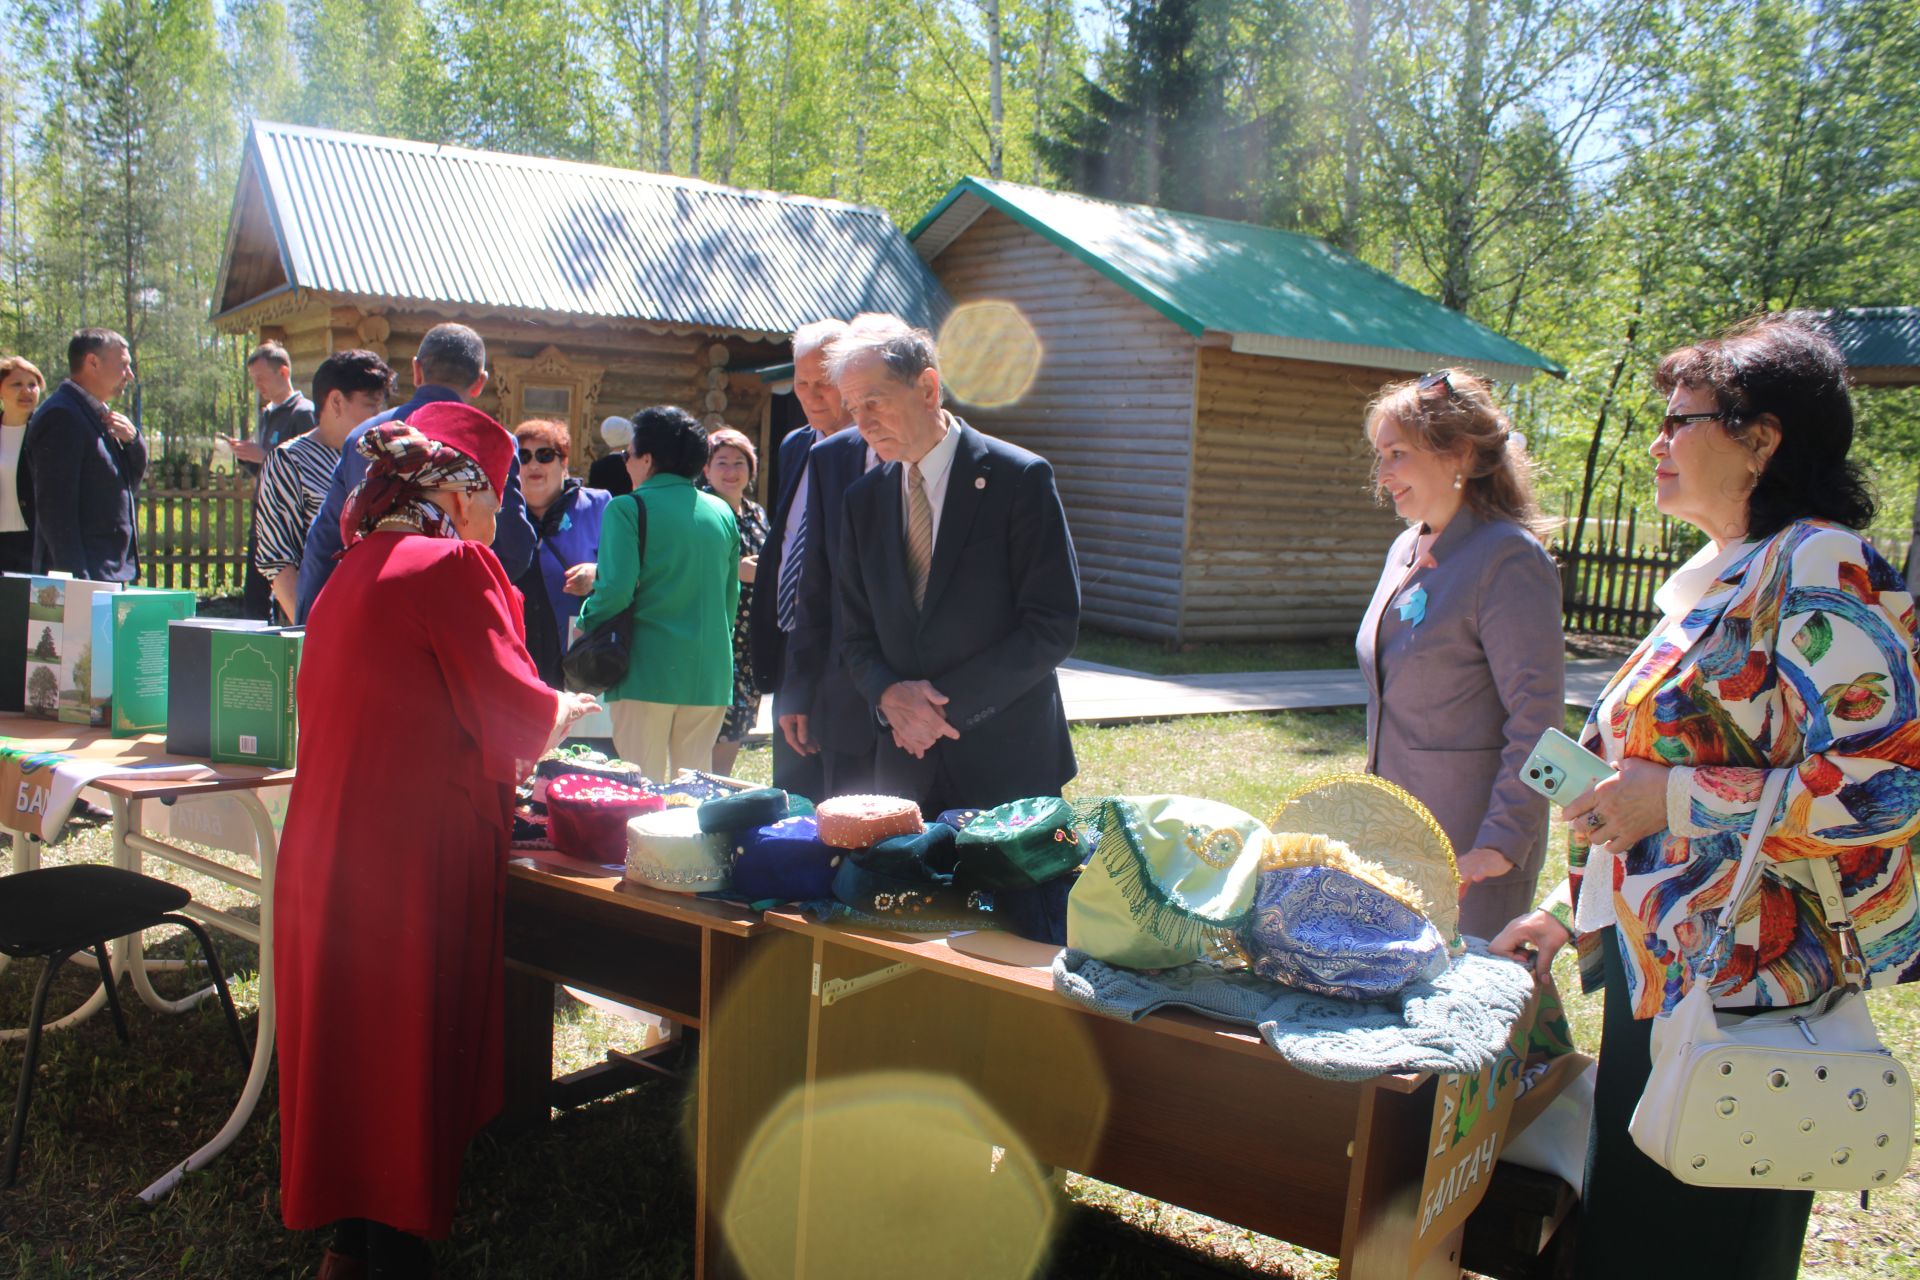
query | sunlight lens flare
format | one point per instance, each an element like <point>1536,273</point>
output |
<point>910,1173</point>
<point>989,354</point>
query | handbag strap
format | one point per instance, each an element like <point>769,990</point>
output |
<point>1826,885</point>
<point>1746,878</point>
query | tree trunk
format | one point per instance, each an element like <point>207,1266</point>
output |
<point>1471,128</point>
<point>786,91</point>
<point>1600,428</point>
<point>1043,77</point>
<point>1353,144</point>
<point>703,15</point>
<point>663,89</point>
<point>996,105</point>
<point>736,38</point>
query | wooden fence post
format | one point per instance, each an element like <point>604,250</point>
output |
<point>196,539</point>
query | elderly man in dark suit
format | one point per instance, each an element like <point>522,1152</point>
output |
<point>824,724</point>
<point>957,585</point>
<point>81,462</point>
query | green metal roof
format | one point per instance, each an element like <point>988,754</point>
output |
<point>1276,293</point>
<point>1877,337</point>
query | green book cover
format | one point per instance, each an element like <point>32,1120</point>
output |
<point>251,691</point>
<point>130,655</point>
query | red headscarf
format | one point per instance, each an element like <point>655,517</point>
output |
<point>445,446</point>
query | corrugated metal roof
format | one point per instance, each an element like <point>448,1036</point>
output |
<point>1277,293</point>
<point>1877,337</point>
<point>392,219</point>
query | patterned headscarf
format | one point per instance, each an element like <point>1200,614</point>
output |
<point>403,466</point>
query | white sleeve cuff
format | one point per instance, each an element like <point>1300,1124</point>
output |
<point>1680,802</point>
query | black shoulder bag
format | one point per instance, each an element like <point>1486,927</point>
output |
<point>598,659</point>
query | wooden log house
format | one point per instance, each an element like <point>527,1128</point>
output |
<point>598,290</point>
<point>1200,392</point>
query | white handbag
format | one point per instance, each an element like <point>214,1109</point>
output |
<point>1803,1098</point>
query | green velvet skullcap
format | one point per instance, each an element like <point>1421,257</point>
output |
<point>744,810</point>
<point>1020,845</point>
<point>928,852</point>
<point>1170,881</point>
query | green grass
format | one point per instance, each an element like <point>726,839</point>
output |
<point>607,1191</point>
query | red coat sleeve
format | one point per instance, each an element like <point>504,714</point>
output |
<point>474,625</point>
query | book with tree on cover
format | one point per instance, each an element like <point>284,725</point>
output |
<point>59,667</point>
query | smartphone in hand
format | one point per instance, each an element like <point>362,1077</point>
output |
<point>1560,768</point>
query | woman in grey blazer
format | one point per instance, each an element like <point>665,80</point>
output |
<point>1462,646</point>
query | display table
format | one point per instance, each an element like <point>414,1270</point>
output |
<point>733,983</point>
<point>133,803</point>
<point>1177,1107</point>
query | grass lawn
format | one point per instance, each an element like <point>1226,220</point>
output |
<point>606,1191</point>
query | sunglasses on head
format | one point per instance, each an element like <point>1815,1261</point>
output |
<point>1437,381</point>
<point>542,456</point>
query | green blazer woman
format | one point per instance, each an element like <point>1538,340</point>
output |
<point>683,594</point>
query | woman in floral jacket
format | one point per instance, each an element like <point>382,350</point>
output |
<point>1787,643</point>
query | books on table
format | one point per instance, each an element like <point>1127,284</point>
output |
<point>130,655</point>
<point>58,668</point>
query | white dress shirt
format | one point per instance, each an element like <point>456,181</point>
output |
<point>934,470</point>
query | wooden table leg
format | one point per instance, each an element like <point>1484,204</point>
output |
<point>1382,1235</point>
<point>529,1051</point>
<point>753,1051</point>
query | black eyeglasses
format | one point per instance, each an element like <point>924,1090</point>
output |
<point>1674,421</point>
<point>541,456</point>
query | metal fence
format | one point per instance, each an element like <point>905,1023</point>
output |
<point>196,538</point>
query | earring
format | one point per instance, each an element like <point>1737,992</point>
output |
<point>1456,479</point>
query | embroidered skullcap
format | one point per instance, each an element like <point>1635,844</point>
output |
<point>1020,845</point>
<point>1170,880</point>
<point>1326,920</point>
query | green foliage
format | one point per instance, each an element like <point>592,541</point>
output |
<point>1599,179</point>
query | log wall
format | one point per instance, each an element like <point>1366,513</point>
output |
<point>1286,539</point>
<point>1111,408</point>
<point>640,366</point>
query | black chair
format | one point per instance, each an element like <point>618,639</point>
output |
<point>58,912</point>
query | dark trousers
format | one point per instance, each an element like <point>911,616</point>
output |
<point>848,773</point>
<point>792,772</point>
<point>16,552</point>
<point>1639,1221</point>
<point>256,593</point>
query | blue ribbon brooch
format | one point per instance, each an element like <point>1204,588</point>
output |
<point>1413,606</point>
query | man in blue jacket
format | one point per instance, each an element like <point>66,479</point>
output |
<point>451,364</point>
<point>80,463</point>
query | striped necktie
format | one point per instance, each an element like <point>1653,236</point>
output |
<point>786,603</point>
<point>919,534</point>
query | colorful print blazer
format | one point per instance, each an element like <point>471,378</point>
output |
<point>1802,656</point>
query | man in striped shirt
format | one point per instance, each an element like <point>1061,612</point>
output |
<point>348,388</point>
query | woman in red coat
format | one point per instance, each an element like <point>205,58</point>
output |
<point>419,711</point>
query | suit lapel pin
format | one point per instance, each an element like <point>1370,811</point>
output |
<point>979,482</point>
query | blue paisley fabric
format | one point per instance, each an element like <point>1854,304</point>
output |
<point>1322,930</point>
